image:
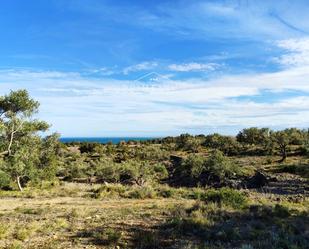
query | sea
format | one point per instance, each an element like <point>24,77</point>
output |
<point>103,140</point>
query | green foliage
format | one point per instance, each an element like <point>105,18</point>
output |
<point>142,193</point>
<point>25,154</point>
<point>140,172</point>
<point>298,169</point>
<point>188,143</point>
<point>151,153</point>
<point>77,168</point>
<point>18,102</point>
<point>4,180</point>
<point>227,144</point>
<point>109,191</point>
<point>23,233</point>
<point>256,141</point>
<point>107,170</point>
<point>253,136</point>
<point>220,166</point>
<point>228,197</point>
<point>3,231</point>
<point>193,166</point>
<point>283,139</point>
<point>201,170</point>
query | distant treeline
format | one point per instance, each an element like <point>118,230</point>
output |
<point>249,141</point>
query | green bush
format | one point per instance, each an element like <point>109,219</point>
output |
<point>107,170</point>
<point>142,193</point>
<point>109,236</point>
<point>220,166</point>
<point>22,233</point>
<point>4,180</point>
<point>226,196</point>
<point>166,191</point>
<point>227,144</point>
<point>197,170</point>
<point>140,173</point>
<point>193,166</point>
<point>108,191</point>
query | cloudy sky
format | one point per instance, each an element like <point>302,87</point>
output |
<point>156,68</point>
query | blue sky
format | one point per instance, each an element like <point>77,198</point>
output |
<point>156,68</point>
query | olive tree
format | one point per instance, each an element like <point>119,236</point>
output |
<point>257,139</point>
<point>283,139</point>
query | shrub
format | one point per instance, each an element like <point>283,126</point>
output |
<point>107,191</point>
<point>140,173</point>
<point>193,166</point>
<point>15,245</point>
<point>281,211</point>
<point>142,193</point>
<point>220,166</point>
<point>4,180</point>
<point>22,233</point>
<point>151,152</point>
<point>107,170</point>
<point>226,196</point>
<point>107,237</point>
<point>3,231</point>
<point>147,240</point>
<point>197,170</point>
<point>166,192</point>
<point>227,144</point>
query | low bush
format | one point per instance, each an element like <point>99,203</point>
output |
<point>142,193</point>
<point>22,233</point>
<point>109,191</point>
<point>3,231</point>
<point>226,196</point>
<point>4,180</point>
<point>197,170</point>
<point>107,237</point>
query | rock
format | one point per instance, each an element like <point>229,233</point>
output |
<point>259,180</point>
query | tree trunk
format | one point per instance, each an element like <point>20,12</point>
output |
<point>18,183</point>
<point>283,154</point>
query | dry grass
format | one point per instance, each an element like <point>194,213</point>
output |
<point>76,222</point>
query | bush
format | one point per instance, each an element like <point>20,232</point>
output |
<point>107,170</point>
<point>107,237</point>
<point>197,170</point>
<point>4,180</point>
<point>193,166</point>
<point>3,231</point>
<point>227,144</point>
<point>140,173</point>
<point>228,197</point>
<point>23,233</point>
<point>220,166</point>
<point>108,191</point>
<point>281,211</point>
<point>142,193</point>
<point>166,191</point>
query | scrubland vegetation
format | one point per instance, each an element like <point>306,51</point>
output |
<point>205,191</point>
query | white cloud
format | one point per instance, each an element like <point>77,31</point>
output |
<point>147,65</point>
<point>104,71</point>
<point>193,66</point>
<point>297,52</point>
<point>107,106</point>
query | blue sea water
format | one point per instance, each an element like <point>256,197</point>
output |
<point>103,140</point>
